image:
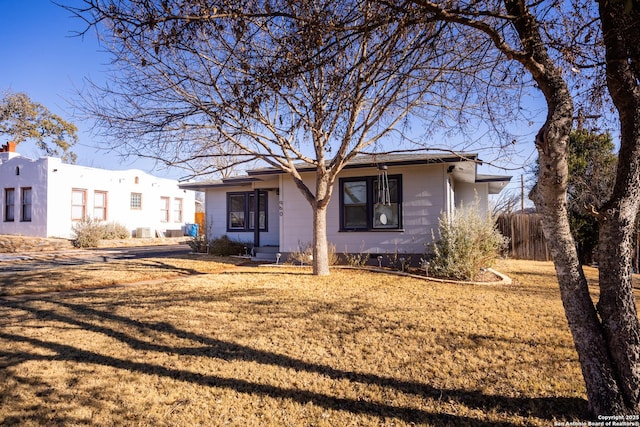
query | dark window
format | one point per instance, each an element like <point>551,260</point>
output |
<point>241,215</point>
<point>25,211</point>
<point>363,205</point>
<point>9,204</point>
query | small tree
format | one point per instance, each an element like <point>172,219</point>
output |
<point>21,119</point>
<point>592,170</point>
<point>468,242</point>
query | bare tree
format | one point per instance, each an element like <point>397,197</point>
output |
<point>291,83</point>
<point>551,41</point>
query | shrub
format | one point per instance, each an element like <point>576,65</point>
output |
<point>333,255</point>
<point>468,242</point>
<point>224,246</point>
<point>359,259</point>
<point>304,254</point>
<point>89,231</point>
<point>115,230</point>
<point>198,244</point>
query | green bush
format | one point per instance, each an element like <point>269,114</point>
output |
<point>468,242</point>
<point>88,232</point>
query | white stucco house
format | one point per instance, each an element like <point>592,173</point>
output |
<point>265,208</point>
<point>45,197</point>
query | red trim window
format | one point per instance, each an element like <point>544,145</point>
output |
<point>78,204</point>
<point>165,205</point>
<point>100,205</point>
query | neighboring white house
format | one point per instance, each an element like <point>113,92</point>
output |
<point>45,197</point>
<point>421,188</point>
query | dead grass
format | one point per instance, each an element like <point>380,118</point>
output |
<point>274,347</point>
<point>100,274</point>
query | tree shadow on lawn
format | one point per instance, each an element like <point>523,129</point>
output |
<point>543,408</point>
<point>90,276</point>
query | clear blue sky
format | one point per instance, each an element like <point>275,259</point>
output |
<point>42,57</point>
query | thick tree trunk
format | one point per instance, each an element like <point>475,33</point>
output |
<point>616,305</point>
<point>318,202</point>
<point>550,197</point>
<point>320,246</point>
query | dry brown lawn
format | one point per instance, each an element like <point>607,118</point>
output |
<point>101,274</point>
<point>239,346</point>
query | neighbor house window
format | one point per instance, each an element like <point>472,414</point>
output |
<point>9,204</point>
<point>25,204</point>
<point>177,210</point>
<point>164,209</point>
<point>78,204</point>
<point>360,207</point>
<point>241,214</point>
<point>100,205</point>
<point>136,201</point>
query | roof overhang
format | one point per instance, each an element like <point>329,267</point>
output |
<point>496,182</point>
<point>225,182</point>
<point>373,161</point>
<point>462,167</point>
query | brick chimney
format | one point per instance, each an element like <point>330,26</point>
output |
<point>9,147</point>
<point>8,152</point>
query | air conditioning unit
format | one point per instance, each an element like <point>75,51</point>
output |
<point>143,232</point>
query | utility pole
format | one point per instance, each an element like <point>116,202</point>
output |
<point>522,193</point>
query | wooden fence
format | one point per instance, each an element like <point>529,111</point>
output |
<point>526,240</point>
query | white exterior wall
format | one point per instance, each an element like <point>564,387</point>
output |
<point>296,215</point>
<point>53,182</point>
<point>466,195</point>
<point>32,174</point>
<point>428,191</point>
<point>423,200</point>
